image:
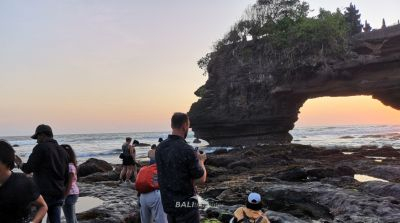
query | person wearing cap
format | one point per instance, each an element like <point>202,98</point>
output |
<point>252,212</point>
<point>49,164</point>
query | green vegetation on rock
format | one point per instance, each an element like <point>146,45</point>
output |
<point>281,34</point>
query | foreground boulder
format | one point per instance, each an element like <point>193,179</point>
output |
<point>93,165</point>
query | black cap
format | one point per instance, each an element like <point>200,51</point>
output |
<point>43,129</point>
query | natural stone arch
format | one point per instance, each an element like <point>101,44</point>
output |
<point>240,105</point>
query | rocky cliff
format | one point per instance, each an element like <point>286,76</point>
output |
<point>245,101</point>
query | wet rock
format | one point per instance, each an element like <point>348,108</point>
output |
<point>382,189</point>
<point>220,161</point>
<point>212,213</point>
<point>320,173</point>
<point>213,171</point>
<point>387,172</point>
<point>93,165</point>
<point>344,171</point>
<point>196,141</point>
<point>278,217</point>
<point>118,203</point>
<point>220,151</point>
<point>322,201</point>
<point>344,181</point>
<point>384,151</point>
<point>294,174</point>
<point>101,176</point>
<point>240,163</point>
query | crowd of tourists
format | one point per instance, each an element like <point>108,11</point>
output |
<point>166,187</point>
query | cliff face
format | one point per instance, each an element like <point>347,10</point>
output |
<point>246,101</point>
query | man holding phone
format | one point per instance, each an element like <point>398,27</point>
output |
<point>180,167</point>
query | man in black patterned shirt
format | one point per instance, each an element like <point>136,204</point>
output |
<point>179,168</point>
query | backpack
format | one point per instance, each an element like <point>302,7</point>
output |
<point>147,180</point>
<point>246,219</point>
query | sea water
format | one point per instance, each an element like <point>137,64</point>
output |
<point>107,146</point>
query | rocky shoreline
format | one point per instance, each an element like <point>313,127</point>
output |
<point>298,183</point>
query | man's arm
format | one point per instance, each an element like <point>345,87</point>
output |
<point>201,159</point>
<point>195,162</point>
<point>34,161</point>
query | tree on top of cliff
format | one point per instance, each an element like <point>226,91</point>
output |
<point>281,34</point>
<point>352,17</point>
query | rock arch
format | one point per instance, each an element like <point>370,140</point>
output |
<point>238,109</point>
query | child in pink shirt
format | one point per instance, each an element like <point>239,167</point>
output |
<point>72,191</point>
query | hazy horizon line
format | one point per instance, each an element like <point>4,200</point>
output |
<point>164,131</point>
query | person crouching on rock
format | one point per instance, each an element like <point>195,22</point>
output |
<point>151,209</point>
<point>128,162</point>
<point>72,190</point>
<point>252,212</point>
<point>17,191</point>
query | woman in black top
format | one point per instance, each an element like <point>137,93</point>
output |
<point>17,191</point>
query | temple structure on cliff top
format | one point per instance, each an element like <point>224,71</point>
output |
<point>244,106</point>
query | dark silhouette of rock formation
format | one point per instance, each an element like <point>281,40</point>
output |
<point>244,104</point>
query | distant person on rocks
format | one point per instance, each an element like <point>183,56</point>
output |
<point>17,191</point>
<point>152,154</point>
<point>134,170</point>
<point>72,191</point>
<point>252,212</point>
<point>179,168</point>
<point>127,161</point>
<point>49,165</point>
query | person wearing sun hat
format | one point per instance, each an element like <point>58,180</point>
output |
<point>252,212</point>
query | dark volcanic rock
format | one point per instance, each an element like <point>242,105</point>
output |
<point>101,176</point>
<point>295,174</point>
<point>246,101</point>
<point>220,151</point>
<point>382,189</point>
<point>388,172</point>
<point>119,203</point>
<point>385,151</point>
<point>278,217</point>
<point>93,165</point>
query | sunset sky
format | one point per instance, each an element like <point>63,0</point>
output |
<point>87,66</point>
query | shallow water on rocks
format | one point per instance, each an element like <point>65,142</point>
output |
<point>366,178</point>
<point>87,203</point>
<point>83,204</point>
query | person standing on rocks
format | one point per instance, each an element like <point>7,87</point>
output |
<point>179,168</point>
<point>152,154</point>
<point>72,191</point>
<point>49,165</point>
<point>17,191</point>
<point>127,161</point>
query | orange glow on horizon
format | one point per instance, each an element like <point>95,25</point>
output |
<point>355,110</point>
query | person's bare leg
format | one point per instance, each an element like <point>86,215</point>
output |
<point>123,173</point>
<point>134,169</point>
<point>129,173</point>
